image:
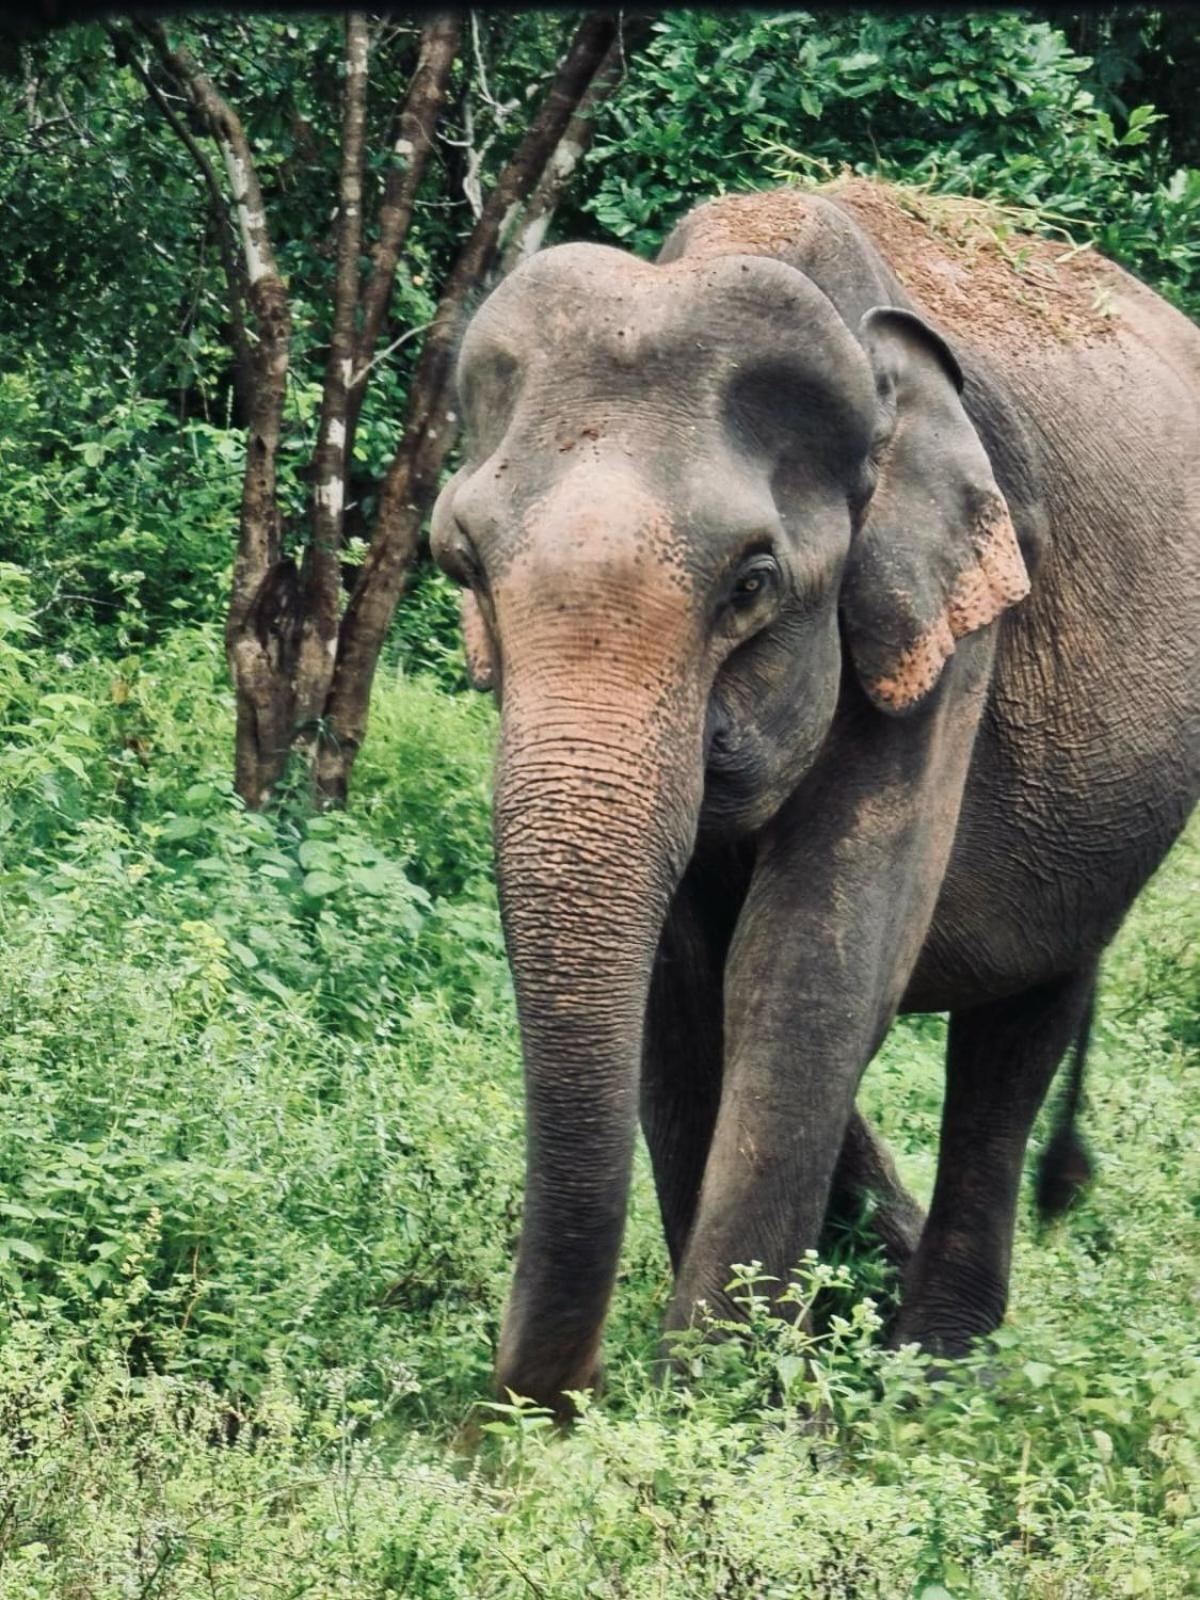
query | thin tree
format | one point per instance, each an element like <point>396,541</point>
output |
<point>302,667</point>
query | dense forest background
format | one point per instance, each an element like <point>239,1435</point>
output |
<point>260,1136</point>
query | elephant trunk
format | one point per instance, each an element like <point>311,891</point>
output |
<point>598,792</point>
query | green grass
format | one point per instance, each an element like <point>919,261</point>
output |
<point>260,1159</point>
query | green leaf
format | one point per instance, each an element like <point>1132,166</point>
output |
<point>182,828</point>
<point>22,1248</point>
<point>789,1369</point>
<point>318,884</point>
<point>273,986</point>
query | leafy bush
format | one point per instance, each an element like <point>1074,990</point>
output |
<point>991,104</point>
<point>166,933</point>
<point>91,484</point>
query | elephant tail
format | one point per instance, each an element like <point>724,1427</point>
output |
<point>1065,1167</point>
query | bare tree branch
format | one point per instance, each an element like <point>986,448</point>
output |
<point>415,136</point>
<point>429,427</point>
<point>226,128</point>
<point>526,238</point>
<point>321,580</point>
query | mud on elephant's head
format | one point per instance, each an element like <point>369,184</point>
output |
<point>697,472</point>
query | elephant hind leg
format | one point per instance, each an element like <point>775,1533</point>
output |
<point>1001,1059</point>
<point>866,1171</point>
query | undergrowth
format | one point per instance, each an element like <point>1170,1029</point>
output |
<point>260,1158</point>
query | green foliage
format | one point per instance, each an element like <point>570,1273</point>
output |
<point>260,1169</point>
<point>91,479</point>
<point>992,104</point>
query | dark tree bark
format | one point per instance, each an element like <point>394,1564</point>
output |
<point>261,626</point>
<point>301,671</point>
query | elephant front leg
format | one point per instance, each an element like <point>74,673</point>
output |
<point>682,1070</point>
<point>806,1003</point>
<point>843,892</point>
<point>793,1063</point>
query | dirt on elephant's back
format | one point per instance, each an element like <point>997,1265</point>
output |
<point>963,262</point>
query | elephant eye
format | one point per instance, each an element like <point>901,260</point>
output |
<point>756,578</point>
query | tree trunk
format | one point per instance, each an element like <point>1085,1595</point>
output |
<point>414,141</point>
<point>262,624</point>
<point>431,426</point>
<point>302,673</point>
<point>320,575</point>
<point>527,238</point>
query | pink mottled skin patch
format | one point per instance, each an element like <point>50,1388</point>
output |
<point>979,595</point>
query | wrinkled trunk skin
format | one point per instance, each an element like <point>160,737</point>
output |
<point>598,793</point>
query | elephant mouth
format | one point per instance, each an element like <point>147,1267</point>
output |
<point>745,782</point>
<point>735,775</point>
<point>722,745</point>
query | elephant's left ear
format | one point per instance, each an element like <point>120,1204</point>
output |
<point>935,556</point>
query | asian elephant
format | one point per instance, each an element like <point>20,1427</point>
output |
<point>837,574</point>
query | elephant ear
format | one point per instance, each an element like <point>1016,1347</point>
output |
<point>442,542</point>
<point>480,666</point>
<point>935,556</point>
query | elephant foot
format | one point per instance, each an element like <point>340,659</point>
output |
<point>952,1303</point>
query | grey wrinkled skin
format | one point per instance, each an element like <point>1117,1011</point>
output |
<point>827,692</point>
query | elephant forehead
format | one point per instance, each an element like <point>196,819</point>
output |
<point>632,511</point>
<point>590,309</point>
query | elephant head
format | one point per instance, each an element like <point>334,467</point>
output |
<point>691,494</point>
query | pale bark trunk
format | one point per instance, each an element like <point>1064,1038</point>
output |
<point>320,576</point>
<point>416,129</point>
<point>231,266</point>
<point>430,426</point>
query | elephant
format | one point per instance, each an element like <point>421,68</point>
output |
<point>836,574</point>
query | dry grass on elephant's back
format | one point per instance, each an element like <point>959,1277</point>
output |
<point>966,265</point>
